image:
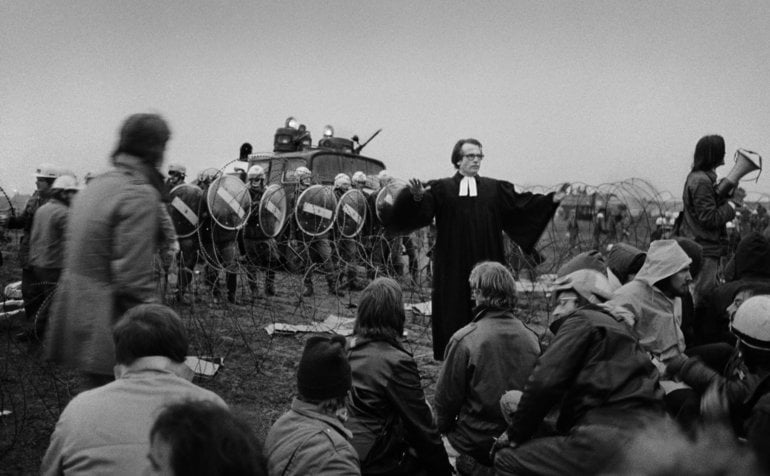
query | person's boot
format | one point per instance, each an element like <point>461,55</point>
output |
<point>334,290</point>
<point>231,280</point>
<point>308,289</point>
<point>270,284</point>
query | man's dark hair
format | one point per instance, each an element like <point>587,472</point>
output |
<point>381,311</point>
<point>149,330</point>
<point>457,152</point>
<point>207,439</point>
<point>144,136</point>
<point>709,153</point>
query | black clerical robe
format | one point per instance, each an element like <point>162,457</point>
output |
<point>469,230</point>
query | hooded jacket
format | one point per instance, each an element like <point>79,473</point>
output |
<point>655,317</point>
<point>597,371</point>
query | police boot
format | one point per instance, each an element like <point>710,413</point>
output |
<point>308,289</point>
<point>270,283</point>
<point>232,286</point>
<point>333,289</point>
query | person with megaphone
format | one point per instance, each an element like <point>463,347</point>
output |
<point>708,207</point>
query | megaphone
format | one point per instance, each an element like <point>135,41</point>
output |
<point>746,162</point>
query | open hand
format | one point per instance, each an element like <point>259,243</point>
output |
<point>415,186</point>
<point>561,193</point>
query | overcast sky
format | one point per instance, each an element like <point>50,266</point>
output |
<point>586,91</point>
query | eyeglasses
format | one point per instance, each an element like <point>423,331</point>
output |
<point>474,156</point>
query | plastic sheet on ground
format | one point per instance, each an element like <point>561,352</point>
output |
<point>420,308</point>
<point>13,290</point>
<point>204,366</point>
<point>333,324</point>
<point>543,284</point>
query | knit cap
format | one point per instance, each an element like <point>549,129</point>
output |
<point>624,259</point>
<point>586,260</point>
<point>324,371</point>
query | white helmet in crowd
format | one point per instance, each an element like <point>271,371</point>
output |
<point>752,323</point>
<point>177,169</point>
<point>384,178</point>
<point>255,172</point>
<point>359,178</point>
<point>47,171</point>
<point>342,180</point>
<point>303,174</point>
<point>208,175</point>
<point>65,182</point>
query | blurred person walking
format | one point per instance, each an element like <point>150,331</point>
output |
<point>112,237</point>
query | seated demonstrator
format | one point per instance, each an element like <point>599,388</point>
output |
<point>603,381</point>
<point>105,430</point>
<point>493,354</point>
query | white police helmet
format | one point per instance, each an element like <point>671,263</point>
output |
<point>177,169</point>
<point>752,323</point>
<point>302,172</point>
<point>359,178</point>
<point>342,180</point>
<point>48,171</point>
<point>66,182</point>
<point>255,172</point>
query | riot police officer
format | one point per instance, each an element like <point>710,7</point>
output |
<point>260,250</point>
<point>176,175</point>
<point>318,248</point>
<point>32,293</point>
<point>219,249</point>
<point>347,248</point>
<point>46,245</point>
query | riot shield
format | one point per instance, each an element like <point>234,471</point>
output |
<point>351,213</point>
<point>273,210</point>
<point>315,210</point>
<point>183,209</point>
<point>229,202</point>
<point>386,197</point>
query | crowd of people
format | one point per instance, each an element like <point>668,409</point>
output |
<point>669,340</point>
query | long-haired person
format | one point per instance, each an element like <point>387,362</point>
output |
<point>392,424</point>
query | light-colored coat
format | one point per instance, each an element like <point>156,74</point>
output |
<point>655,317</point>
<point>306,441</point>
<point>112,235</point>
<point>106,431</point>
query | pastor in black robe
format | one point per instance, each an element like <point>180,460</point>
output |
<point>469,230</point>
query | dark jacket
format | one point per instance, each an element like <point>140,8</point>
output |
<point>752,266</point>
<point>491,355</point>
<point>756,423</point>
<point>596,368</point>
<point>392,425</point>
<point>705,215</point>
